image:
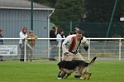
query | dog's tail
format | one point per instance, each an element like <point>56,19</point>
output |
<point>92,61</point>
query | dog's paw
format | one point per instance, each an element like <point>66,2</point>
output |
<point>59,78</point>
<point>84,78</point>
<point>89,76</point>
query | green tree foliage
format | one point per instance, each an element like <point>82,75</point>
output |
<point>95,10</point>
<point>119,10</point>
<point>68,10</point>
<point>97,14</point>
<point>101,10</point>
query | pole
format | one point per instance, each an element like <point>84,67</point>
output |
<point>48,31</point>
<point>111,18</point>
<point>32,15</point>
<point>120,44</point>
<point>112,15</point>
<point>59,51</point>
<point>25,50</point>
<point>89,50</point>
<point>70,25</point>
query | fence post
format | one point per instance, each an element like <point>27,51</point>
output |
<point>89,51</point>
<point>59,52</point>
<point>25,50</point>
<point>120,44</point>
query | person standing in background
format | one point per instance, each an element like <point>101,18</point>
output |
<point>76,29</point>
<point>1,42</point>
<point>60,41</point>
<point>23,36</point>
<point>71,32</point>
<point>53,42</point>
<point>30,45</point>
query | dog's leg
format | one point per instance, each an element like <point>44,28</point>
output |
<point>82,75</point>
<point>62,73</point>
<point>67,75</point>
<point>81,72</point>
<point>89,74</point>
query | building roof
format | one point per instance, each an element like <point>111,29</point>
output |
<point>22,4</point>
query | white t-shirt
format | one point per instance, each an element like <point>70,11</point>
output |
<point>22,35</point>
<point>59,40</point>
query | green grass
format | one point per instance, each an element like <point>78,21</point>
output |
<point>103,71</point>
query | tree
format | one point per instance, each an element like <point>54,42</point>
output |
<point>100,11</point>
<point>68,10</point>
<point>88,15</point>
<point>119,10</point>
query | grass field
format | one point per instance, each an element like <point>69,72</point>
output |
<point>103,71</point>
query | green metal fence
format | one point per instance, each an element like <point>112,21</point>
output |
<point>97,29</point>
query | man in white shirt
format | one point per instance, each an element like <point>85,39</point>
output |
<point>60,35</point>
<point>70,48</point>
<point>23,35</point>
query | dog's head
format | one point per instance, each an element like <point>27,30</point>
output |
<point>61,64</point>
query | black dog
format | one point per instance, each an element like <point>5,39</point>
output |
<point>70,66</point>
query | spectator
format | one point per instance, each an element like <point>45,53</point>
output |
<point>76,29</point>
<point>71,32</point>
<point>30,45</point>
<point>60,41</point>
<point>53,42</point>
<point>22,35</point>
<point>1,42</point>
